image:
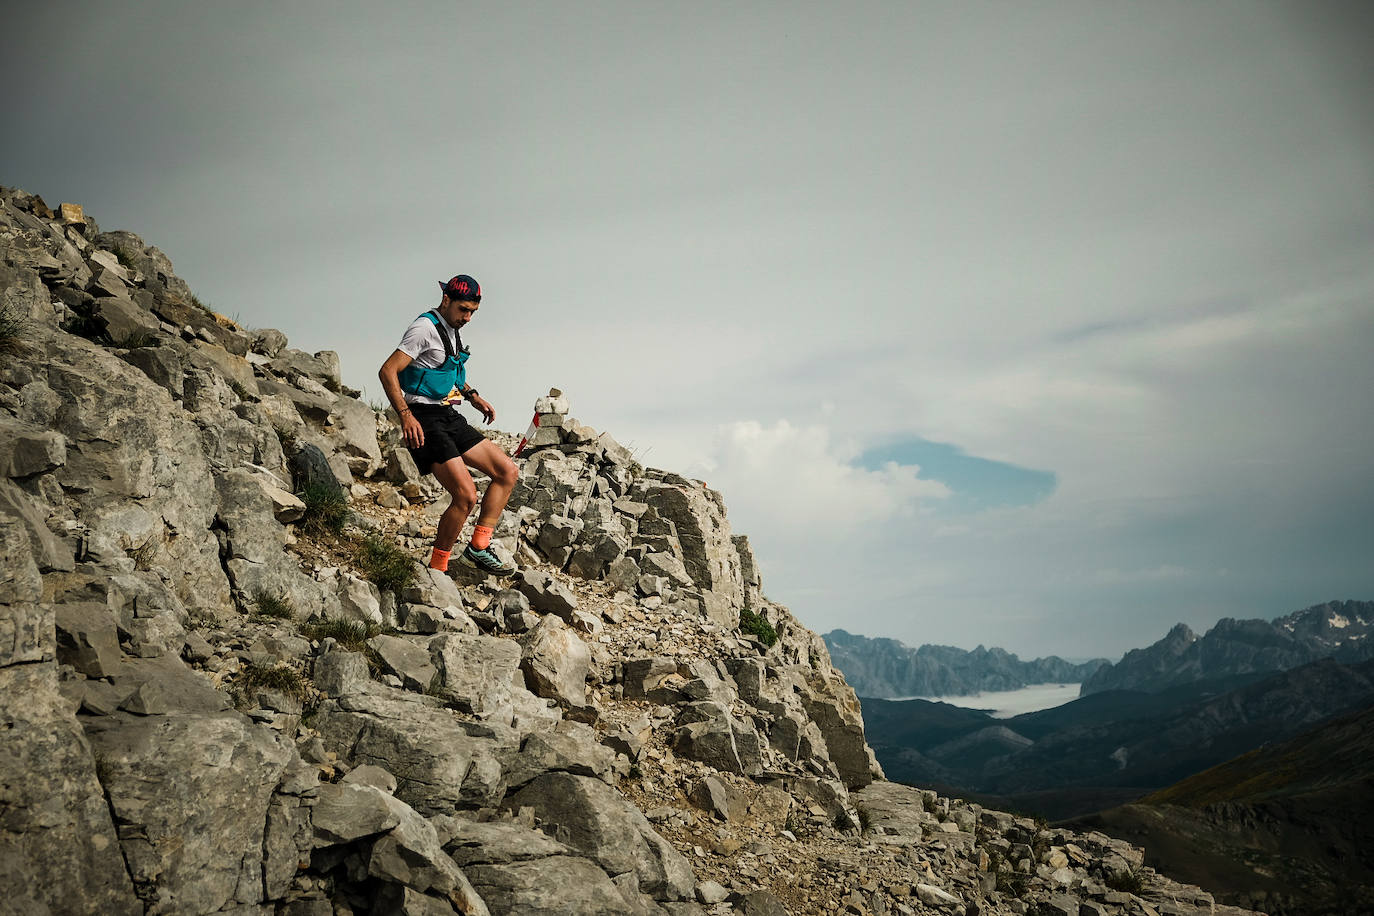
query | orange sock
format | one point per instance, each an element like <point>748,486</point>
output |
<point>439,559</point>
<point>481,536</point>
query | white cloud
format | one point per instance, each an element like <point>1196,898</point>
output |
<point>804,483</point>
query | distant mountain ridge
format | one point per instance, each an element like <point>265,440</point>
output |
<point>1335,629</point>
<point>885,668</point>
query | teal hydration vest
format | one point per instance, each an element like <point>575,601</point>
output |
<point>437,383</point>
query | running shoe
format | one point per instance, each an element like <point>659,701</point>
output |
<point>486,560</point>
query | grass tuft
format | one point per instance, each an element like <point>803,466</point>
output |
<point>1125,879</point>
<point>272,677</point>
<point>273,605</point>
<point>13,329</point>
<point>326,509</point>
<point>749,622</point>
<point>145,555</point>
<point>385,564</point>
<point>351,634</point>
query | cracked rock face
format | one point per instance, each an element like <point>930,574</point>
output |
<point>209,705</point>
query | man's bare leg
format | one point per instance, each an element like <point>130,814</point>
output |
<point>490,459</point>
<point>456,479</point>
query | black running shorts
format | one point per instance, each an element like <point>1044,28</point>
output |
<point>447,435</point>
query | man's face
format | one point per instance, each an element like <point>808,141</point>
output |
<point>458,312</point>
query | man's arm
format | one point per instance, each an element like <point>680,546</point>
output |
<point>411,430</point>
<point>482,404</point>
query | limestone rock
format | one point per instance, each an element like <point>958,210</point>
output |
<point>556,662</point>
<point>474,843</point>
<point>26,450</point>
<point>590,817</point>
<point>347,812</point>
<point>339,673</point>
<point>439,767</point>
<point>87,639</point>
<point>481,675</point>
<point>545,593</point>
<point>199,787</point>
<point>57,832</point>
<point>406,659</point>
<point>548,886</point>
<point>570,747</point>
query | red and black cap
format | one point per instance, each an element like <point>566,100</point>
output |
<point>462,288</point>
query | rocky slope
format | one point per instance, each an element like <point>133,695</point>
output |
<point>885,668</point>
<point>1337,629</point>
<point>225,691</point>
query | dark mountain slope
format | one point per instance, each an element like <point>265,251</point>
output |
<point>1286,828</point>
<point>1108,747</point>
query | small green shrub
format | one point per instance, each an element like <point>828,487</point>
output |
<point>270,605</point>
<point>382,562</point>
<point>326,509</point>
<point>125,261</point>
<point>203,306</point>
<point>1125,879</point>
<point>272,677</point>
<point>351,634</point>
<point>749,622</point>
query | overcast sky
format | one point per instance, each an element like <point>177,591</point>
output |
<point>1042,326</point>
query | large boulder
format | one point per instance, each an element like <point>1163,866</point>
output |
<point>546,594</point>
<point>592,818</point>
<point>439,767</point>
<point>135,469</point>
<point>548,886</point>
<point>556,662</point>
<point>26,449</point>
<point>406,659</point>
<point>255,548</point>
<point>199,789</point>
<point>833,707</point>
<point>56,835</point>
<point>481,675</point>
<point>708,550</point>
<point>709,733</point>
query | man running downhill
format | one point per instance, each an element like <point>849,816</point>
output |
<point>426,380</point>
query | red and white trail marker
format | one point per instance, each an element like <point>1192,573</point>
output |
<point>529,434</point>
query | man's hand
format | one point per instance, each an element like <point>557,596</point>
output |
<point>411,429</point>
<point>483,407</point>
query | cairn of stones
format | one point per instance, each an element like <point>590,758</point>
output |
<point>210,704</point>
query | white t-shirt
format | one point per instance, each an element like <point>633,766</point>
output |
<point>421,342</point>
